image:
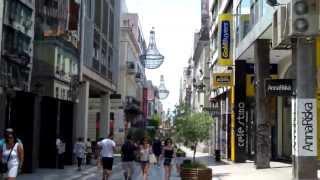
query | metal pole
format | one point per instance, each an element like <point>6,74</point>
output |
<point>305,121</point>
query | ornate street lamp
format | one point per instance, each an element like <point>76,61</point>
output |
<point>152,59</point>
<point>163,91</point>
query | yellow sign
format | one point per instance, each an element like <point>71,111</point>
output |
<point>222,80</point>
<point>225,51</point>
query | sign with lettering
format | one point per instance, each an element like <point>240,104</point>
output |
<point>222,80</point>
<point>225,56</point>
<point>279,87</point>
<point>306,136</point>
<point>239,116</point>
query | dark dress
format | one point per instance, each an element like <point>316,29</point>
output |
<point>168,155</point>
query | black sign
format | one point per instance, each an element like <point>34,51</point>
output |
<point>240,114</point>
<point>279,87</point>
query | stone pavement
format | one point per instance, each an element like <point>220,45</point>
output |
<point>94,173</point>
<point>224,170</point>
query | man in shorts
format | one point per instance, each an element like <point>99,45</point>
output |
<point>106,148</point>
<point>128,157</point>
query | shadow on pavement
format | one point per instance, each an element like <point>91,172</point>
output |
<point>217,175</point>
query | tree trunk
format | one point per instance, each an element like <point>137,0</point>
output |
<point>194,152</point>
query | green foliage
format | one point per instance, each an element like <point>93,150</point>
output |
<point>155,121</point>
<point>138,134</point>
<point>193,128</point>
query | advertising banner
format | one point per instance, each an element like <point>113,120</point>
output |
<point>225,50</point>
<point>222,80</point>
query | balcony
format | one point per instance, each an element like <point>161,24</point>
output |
<point>109,75</point>
<point>95,65</point>
<point>103,70</point>
<point>17,56</point>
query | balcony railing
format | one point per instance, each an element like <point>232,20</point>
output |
<point>95,64</point>
<point>103,70</point>
<point>109,75</point>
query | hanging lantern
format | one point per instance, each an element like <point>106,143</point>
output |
<point>152,59</point>
<point>163,91</point>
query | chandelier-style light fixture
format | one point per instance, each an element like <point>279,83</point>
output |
<point>163,91</point>
<point>152,59</point>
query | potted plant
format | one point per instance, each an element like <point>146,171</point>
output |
<point>180,153</point>
<point>194,128</point>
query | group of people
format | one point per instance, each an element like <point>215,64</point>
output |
<point>146,154</point>
<point>11,155</point>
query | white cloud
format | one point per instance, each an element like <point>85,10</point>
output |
<point>175,22</point>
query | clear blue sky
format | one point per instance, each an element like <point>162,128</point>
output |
<point>175,22</point>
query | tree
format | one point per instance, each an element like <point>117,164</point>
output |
<point>155,121</point>
<point>193,128</point>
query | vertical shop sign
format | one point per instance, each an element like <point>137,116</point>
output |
<point>240,111</point>
<point>306,125</point>
<point>225,51</point>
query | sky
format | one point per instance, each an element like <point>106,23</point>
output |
<point>175,22</point>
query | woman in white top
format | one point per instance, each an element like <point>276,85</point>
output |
<point>145,151</point>
<point>12,154</point>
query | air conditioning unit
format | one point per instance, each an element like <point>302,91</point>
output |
<point>131,67</point>
<point>304,18</point>
<point>280,29</point>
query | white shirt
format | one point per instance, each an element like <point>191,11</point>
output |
<point>14,159</point>
<point>61,146</point>
<point>107,146</point>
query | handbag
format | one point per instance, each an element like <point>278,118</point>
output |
<point>152,158</point>
<point>4,165</point>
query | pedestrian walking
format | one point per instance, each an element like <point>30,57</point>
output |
<point>157,149</point>
<point>79,150</point>
<point>12,156</point>
<point>145,151</point>
<point>61,149</point>
<point>128,157</point>
<point>88,151</point>
<point>168,154</point>
<point>106,148</point>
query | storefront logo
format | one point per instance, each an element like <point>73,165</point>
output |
<point>225,21</point>
<point>240,131</point>
<point>222,80</point>
<point>279,87</point>
<point>225,39</point>
<point>306,127</point>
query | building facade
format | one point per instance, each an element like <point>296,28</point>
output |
<point>17,34</point>
<point>56,65</point>
<point>99,25</point>
<point>132,75</point>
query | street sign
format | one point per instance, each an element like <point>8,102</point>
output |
<point>222,80</point>
<point>279,87</point>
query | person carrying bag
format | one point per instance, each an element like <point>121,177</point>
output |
<point>4,165</point>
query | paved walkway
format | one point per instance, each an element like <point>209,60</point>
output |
<point>93,173</point>
<point>224,170</point>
